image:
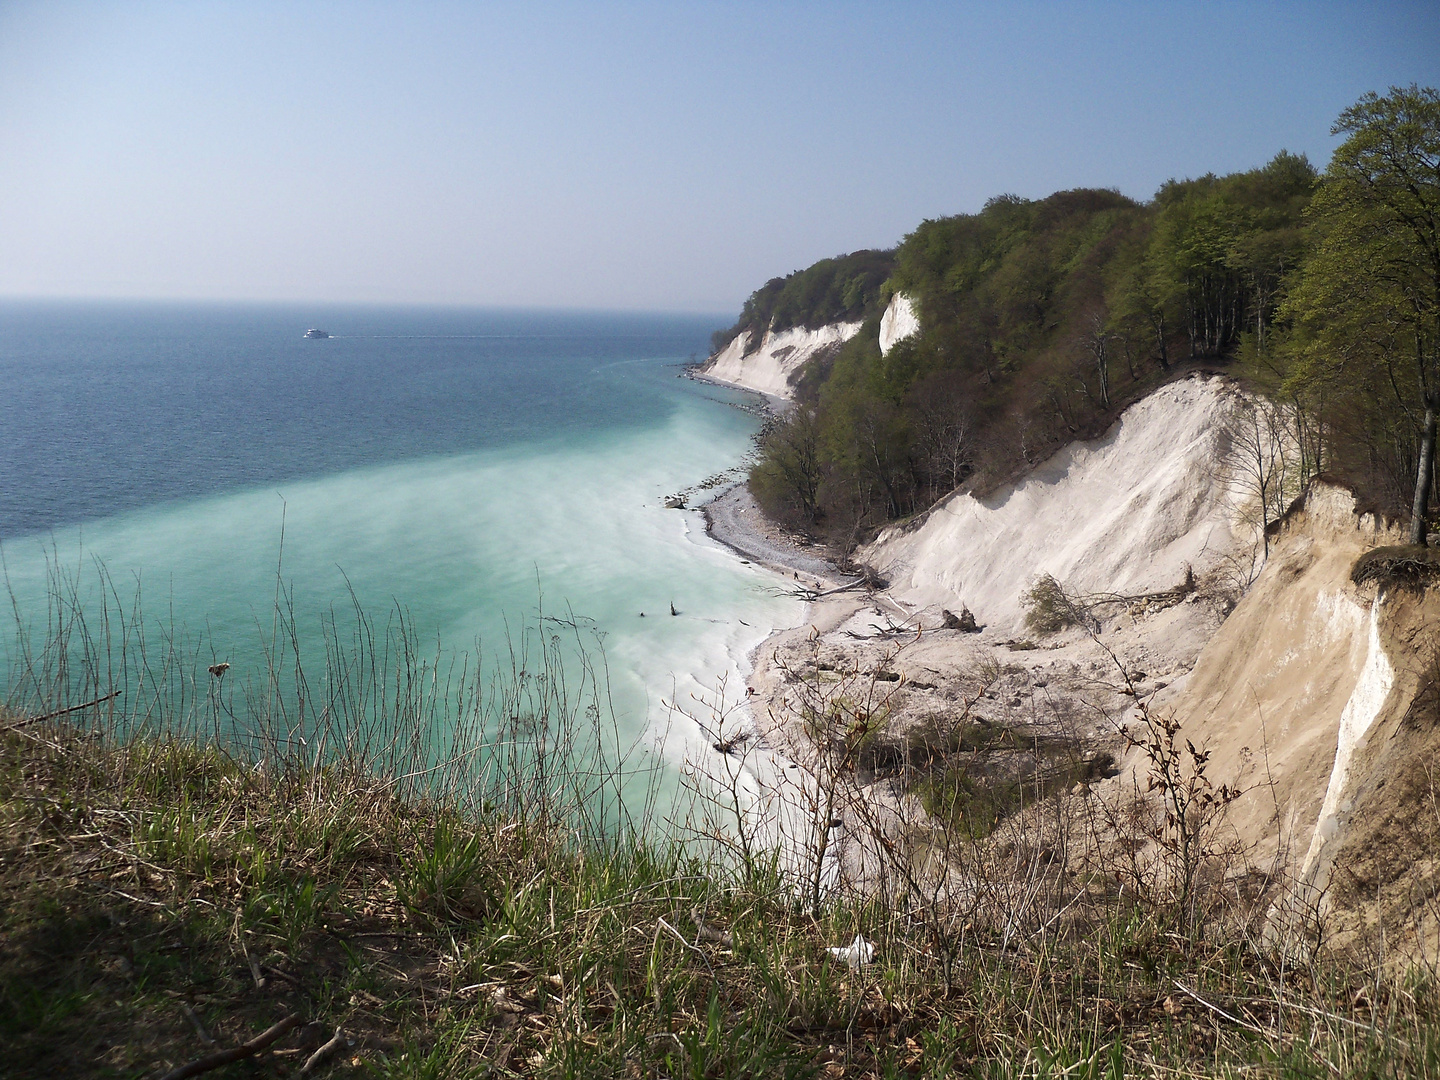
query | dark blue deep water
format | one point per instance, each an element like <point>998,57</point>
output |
<point>463,472</point>
<point>110,407</point>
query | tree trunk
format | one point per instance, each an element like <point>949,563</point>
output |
<point>1423,477</point>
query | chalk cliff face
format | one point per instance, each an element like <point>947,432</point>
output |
<point>1122,514</point>
<point>1282,690</point>
<point>773,365</point>
<point>1316,697</point>
<point>1374,860</point>
<point>899,322</point>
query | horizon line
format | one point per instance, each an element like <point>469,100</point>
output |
<point>446,305</point>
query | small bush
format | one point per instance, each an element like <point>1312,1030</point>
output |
<point>971,804</point>
<point>1050,607</point>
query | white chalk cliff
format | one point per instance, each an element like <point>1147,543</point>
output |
<point>771,368</point>
<point>1310,695</point>
<point>899,322</point>
<point>1124,513</point>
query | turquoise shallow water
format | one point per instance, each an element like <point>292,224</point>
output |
<point>563,507</point>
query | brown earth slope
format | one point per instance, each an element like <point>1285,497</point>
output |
<point>1316,697</point>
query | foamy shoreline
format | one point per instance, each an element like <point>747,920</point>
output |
<point>774,404</point>
<point>747,748</point>
<point>755,750</point>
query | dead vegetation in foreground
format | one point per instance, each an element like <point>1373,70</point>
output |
<point>164,902</point>
<point>401,866</point>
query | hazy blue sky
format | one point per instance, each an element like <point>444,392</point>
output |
<point>653,156</point>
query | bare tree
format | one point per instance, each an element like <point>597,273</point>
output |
<point>1263,465</point>
<point>1096,343</point>
<point>944,435</point>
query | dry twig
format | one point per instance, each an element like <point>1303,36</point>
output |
<point>244,1050</point>
<point>318,1058</point>
<point>61,712</point>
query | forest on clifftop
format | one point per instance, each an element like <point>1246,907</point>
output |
<point>847,288</point>
<point>1041,320</point>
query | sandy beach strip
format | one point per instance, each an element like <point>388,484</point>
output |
<point>773,403</point>
<point>735,519</point>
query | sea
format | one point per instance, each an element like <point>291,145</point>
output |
<point>470,472</point>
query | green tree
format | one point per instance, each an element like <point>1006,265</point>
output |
<point>1191,266</point>
<point>847,288</point>
<point>1138,311</point>
<point>1369,295</point>
<point>789,472</point>
<point>1269,243</point>
<point>868,443</point>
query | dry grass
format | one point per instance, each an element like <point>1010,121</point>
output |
<point>484,908</point>
<point>148,883</point>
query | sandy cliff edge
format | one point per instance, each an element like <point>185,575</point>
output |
<point>1313,696</point>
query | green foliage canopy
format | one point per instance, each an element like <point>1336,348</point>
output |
<point>1042,319</point>
<point>847,288</point>
<point>1367,300</point>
